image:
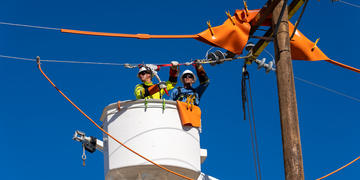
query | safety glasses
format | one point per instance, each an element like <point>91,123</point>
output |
<point>188,76</point>
<point>144,72</point>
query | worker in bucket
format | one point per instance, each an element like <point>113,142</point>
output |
<point>148,90</point>
<point>188,78</point>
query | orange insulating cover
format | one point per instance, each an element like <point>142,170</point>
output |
<point>139,36</point>
<point>301,49</point>
<point>229,36</point>
<point>189,117</point>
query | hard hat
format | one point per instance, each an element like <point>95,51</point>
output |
<point>144,68</point>
<point>187,72</point>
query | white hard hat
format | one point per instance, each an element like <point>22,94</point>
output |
<point>143,68</point>
<point>187,72</point>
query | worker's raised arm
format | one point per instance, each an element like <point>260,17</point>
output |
<point>203,78</point>
<point>173,75</point>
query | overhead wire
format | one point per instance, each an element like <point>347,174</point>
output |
<point>105,132</point>
<point>127,65</point>
<point>63,61</point>
<point>30,26</point>
<point>124,64</point>
<point>298,21</point>
<point>350,4</point>
<point>337,170</point>
<point>327,89</point>
<point>280,17</point>
<point>341,94</point>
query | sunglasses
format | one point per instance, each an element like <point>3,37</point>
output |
<point>144,72</point>
<point>188,76</point>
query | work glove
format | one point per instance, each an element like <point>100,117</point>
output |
<point>162,85</point>
<point>197,64</point>
<point>153,67</point>
<point>174,64</point>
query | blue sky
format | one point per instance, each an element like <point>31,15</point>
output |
<point>38,124</point>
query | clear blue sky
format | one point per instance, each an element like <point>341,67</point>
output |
<point>38,124</point>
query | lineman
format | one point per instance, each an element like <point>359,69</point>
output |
<point>148,90</point>
<point>188,93</point>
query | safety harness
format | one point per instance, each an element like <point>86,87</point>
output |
<point>190,98</point>
<point>147,92</point>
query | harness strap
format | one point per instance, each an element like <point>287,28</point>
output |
<point>180,95</point>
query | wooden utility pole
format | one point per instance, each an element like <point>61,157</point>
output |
<point>287,98</point>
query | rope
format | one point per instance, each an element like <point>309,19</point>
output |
<point>255,136</point>
<point>339,168</point>
<point>30,26</point>
<point>245,101</point>
<point>92,121</point>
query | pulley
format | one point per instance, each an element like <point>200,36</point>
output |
<point>218,56</point>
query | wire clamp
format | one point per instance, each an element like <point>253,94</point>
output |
<point>129,66</point>
<point>38,60</point>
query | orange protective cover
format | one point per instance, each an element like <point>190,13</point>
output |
<point>189,117</point>
<point>229,36</point>
<point>301,47</point>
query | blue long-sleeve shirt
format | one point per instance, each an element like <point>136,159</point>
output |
<point>184,93</point>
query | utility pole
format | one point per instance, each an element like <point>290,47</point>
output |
<point>293,163</point>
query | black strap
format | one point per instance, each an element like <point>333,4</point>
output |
<point>146,90</point>
<point>244,77</point>
<point>180,95</point>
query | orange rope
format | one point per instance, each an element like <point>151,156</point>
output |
<point>339,168</point>
<point>139,36</point>
<point>164,168</point>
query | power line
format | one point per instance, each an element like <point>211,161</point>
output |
<point>353,5</point>
<point>327,89</point>
<point>30,26</point>
<point>18,58</point>
<point>63,61</point>
<point>128,65</point>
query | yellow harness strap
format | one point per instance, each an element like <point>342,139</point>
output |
<point>190,102</point>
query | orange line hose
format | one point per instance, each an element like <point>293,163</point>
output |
<point>339,168</point>
<point>343,65</point>
<point>139,36</point>
<point>164,168</point>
